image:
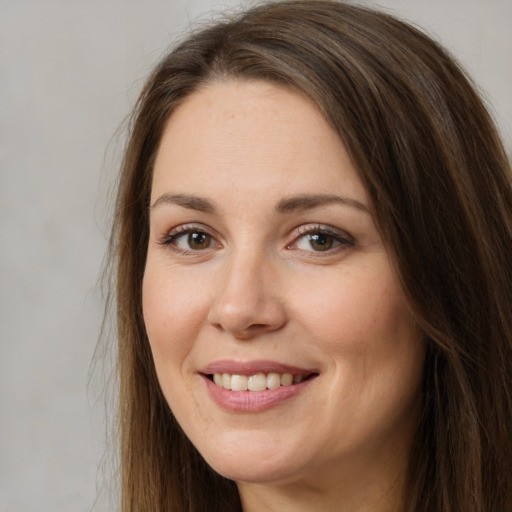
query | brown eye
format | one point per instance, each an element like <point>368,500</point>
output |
<point>190,240</point>
<point>197,241</point>
<point>317,242</point>
<point>320,241</point>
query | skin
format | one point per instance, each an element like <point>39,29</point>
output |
<point>258,288</point>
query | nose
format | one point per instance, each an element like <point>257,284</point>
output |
<point>247,301</point>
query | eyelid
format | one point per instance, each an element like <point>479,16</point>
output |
<point>173,234</point>
<point>345,239</point>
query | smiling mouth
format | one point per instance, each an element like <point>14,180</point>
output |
<point>258,381</point>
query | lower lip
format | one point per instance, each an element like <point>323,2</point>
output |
<point>253,401</point>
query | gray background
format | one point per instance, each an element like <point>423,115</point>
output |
<point>69,71</point>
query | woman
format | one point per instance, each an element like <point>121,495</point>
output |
<point>314,293</point>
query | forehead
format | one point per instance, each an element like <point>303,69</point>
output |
<point>251,135</point>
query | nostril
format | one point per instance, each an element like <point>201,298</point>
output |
<point>246,313</point>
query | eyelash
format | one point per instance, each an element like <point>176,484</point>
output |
<point>341,239</point>
<point>170,239</point>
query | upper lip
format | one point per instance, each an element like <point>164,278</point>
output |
<point>253,367</point>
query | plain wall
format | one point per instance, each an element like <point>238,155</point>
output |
<point>69,72</point>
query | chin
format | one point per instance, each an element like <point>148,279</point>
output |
<point>250,458</point>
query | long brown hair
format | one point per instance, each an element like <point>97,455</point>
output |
<point>440,187</point>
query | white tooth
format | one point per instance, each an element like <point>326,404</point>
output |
<point>286,379</point>
<point>257,382</point>
<point>217,378</point>
<point>226,380</point>
<point>273,380</point>
<point>298,379</point>
<point>239,382</point>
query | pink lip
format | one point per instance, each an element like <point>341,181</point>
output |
<point>253,401</point>
<point>253,367</point>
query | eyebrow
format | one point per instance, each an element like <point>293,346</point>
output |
<point>190,202</point>
<point>292,204</point>
<point>310,201</point>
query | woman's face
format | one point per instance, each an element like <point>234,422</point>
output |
<point>265,269</point>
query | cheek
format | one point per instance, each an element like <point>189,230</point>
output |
<point>365,329</point>
<point>175,306</point>
<point>375,352</point>
<point>352,312</point>
<point>173,313</point>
